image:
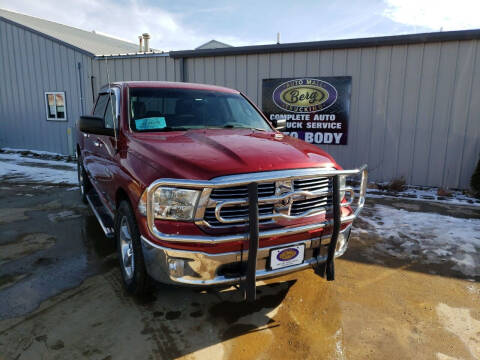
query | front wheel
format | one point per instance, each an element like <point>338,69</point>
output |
<point>83,181</point>
<point>129,248</point>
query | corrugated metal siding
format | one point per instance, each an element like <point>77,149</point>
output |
<point>31,65</point>
<point>162,68</point>
<point>414,108</point>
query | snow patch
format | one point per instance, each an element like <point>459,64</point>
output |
<point>18,158</point>
<point>50,171</point>
<point>39,152</point>
<point>422,194</point>
<point>434,237</point>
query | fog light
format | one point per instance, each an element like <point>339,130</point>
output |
<point>175,267</point>
<point>342,242</point>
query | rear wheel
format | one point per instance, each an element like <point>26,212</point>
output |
<point>83,181</point>
<point>129,248</point>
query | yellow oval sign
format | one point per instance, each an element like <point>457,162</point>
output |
<point>304,95</point>
<point>287,254</point>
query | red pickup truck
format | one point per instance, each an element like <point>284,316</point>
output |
<point>197,187</point>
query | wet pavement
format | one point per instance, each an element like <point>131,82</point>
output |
<point>61,294</point>
<point>50,240</point>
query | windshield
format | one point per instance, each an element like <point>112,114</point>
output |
<point>184,109</point>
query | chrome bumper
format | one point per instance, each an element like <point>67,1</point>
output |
<point>202,269</point>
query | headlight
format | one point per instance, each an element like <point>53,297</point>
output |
<point>172,203</point>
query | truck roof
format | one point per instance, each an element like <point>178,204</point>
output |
<point>172,85</point>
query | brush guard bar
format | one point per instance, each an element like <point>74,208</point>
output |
<point>254,234</point>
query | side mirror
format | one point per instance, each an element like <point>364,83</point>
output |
<point>94,125</point>
<point>279,124</point>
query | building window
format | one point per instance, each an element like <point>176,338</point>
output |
<point>55,105</point>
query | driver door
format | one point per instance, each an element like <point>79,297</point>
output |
<point>106,150</point>
<point>91,158</point>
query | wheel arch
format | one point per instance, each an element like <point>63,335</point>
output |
<point>120,195</point>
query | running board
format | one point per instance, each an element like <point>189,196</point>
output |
<point>104,219</point>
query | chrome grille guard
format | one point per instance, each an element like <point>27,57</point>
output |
<point>206,186</point>
<point>253,235</point>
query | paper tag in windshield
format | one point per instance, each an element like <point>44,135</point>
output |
<point>151,123</point>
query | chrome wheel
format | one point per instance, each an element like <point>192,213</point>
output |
<point>126,248</point>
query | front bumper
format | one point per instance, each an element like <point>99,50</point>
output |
<point>203,269</point>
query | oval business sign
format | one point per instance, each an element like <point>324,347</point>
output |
<point>304,95</point>
<point>287,254</point>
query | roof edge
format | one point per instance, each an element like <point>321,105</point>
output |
<point>334,44</point>
<point>39,33</point>
<point>133,55</point>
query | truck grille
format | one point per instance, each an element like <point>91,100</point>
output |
<point>299,206</point>
<point>240,192</point>
<point>315,184</point>
<point>235,212</point>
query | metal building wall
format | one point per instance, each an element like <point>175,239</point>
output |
<point>30,65</point>
<point>414,108</point>
<point>134,68</point>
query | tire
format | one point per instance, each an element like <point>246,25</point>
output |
<point>129,249</point>
<point>83,181</point>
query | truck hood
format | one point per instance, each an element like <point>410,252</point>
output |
<point>208,153</point>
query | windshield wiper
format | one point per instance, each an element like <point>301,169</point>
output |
<point>242,127</point>
<point>172,128</point>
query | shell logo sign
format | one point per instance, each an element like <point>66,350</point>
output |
<point>304,95</point>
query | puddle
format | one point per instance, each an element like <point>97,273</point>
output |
<point>25,245</point>
<point>9,280</point>
<point>172,315</point>
<point>63,216</point>
<point>231,311</point>
<point>12,214</point>
<point>51,205</point>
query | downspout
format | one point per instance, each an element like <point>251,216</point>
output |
<point>82,105</point>
<point>92,78</point>
<point>70,131</point>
